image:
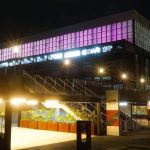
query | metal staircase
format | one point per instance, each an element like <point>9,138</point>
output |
<point>48,85</point>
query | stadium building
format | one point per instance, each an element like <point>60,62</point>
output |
<point>98,70</point>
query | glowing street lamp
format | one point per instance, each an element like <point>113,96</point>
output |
<point>142,80</point>
<point>15,49</point>
<point>101,71</point>
<point>67,62</point>
<point>124,76</point>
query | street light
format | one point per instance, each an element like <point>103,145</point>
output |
<point>67,63</point>
<point>142,81</point>
<point>124,77</point>
<point>16,51</point>
<point>101,72</point>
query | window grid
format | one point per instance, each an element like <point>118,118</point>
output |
<point>142,36</point>
<point>102,34</point>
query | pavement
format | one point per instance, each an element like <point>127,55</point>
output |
<point>29,139</point>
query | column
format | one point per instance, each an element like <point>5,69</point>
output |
<point>112,112</point>
<point>7,135</point>
<point>148,113</point>
<point>98,118</point>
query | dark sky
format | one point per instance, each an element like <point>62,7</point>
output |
<point>23,18</point>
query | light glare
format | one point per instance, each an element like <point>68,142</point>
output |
<point>67,62</point>
<point>124,76</point>
<point>32,102</point>
<point>1,100</point>
<point>18,101</point>
<point>15,49</point>
<point>123,104</point>
<point>142,80</point>
<point>51,103</point>
<point>101,70</point>
<point>72,54</point>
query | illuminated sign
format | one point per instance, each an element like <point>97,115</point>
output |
<point>57,56</point>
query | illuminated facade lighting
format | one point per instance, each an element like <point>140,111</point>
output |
<point>18,101</point>
<point>123,104</point>
<point>72,54</point>
<point>15,49</point>
<point>32,102</point>
<point>56,56</point>
<point>1,100</point>
<point>51,104</point>
<point>88,37</point>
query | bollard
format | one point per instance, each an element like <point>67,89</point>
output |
<point>1,142</point>
<point>84,127</point>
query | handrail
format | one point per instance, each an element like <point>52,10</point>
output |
<point>51,79</point>
<point>87,89</point>
<point>66,84</point>
<point>35,81</point>
<point>45,82</point>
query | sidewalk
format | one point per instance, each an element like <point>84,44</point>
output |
<point>137,139</point>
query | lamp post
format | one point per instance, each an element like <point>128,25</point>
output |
<point>124,77</point>
<point>67,64</point>
<point>142,83</point>
<point>101,72</point>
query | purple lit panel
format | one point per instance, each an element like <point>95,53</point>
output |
<point>97,35</point>
<point>94,30</point>
<point>89,42</point>
<point>108,39</point>
<point>85,43</point>
<point>103,28</point>
<point>94,41</point>
<point>114,38</point>
<point>81,38</point>
<point>99,41</point>
<point>104,34</point>
<point>119,31</point>
<point>114,26</point>
<point>99,29</point>
<point>124,36</point>
<point>118,36</point>
<point>124,23</point>
<point>104,40</point>
<point>119,25</point>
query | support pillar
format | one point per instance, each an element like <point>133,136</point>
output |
<point>98,118</point>
<point>148,113</point>
<point>112,112</point>
<point>19,117</point>
<point>7,135</point>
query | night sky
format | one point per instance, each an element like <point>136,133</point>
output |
<point>19,19</point>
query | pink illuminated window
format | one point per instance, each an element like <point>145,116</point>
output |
<point>97,35</point>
